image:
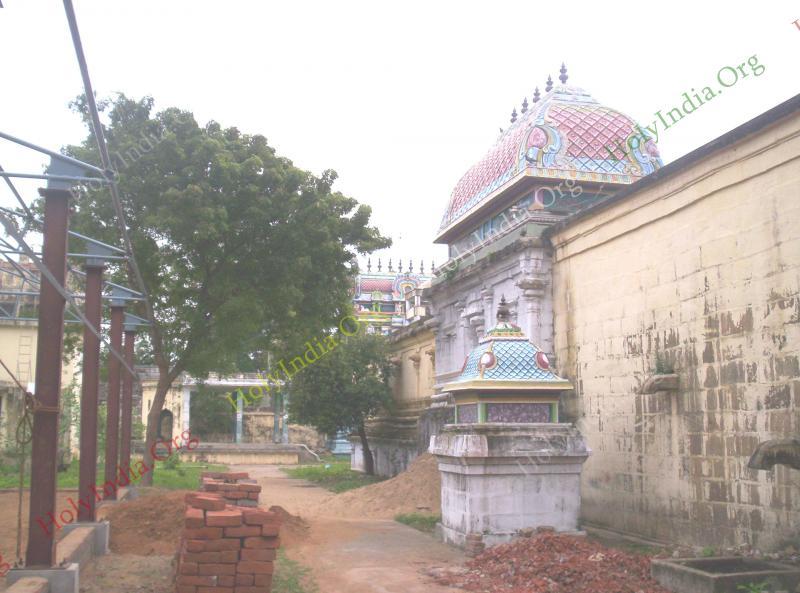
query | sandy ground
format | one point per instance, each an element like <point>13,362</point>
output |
<point>347,554</point>
<point>350,555</point>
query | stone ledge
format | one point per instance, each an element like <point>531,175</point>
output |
<point>30,585</point>
<point>60,580</point>
<point>658,383</point>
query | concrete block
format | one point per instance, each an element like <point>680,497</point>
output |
<point>61,579</point>
<point>77,546</point>
<point>721,575</point>
<point>101,535</point>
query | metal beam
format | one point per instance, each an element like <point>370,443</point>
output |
<point>112,403</point>
<point>89,390</point>
<point>51,153</point>
<point>50,335</point>
<point>126,430</point>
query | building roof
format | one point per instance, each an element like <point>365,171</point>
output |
<point>562,136</point>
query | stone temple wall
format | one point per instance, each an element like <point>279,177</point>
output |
<point>702,271</point>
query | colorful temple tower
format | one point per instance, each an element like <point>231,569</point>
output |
<point>388,299</point>
<point>506,463</point>
<point>561,154</point>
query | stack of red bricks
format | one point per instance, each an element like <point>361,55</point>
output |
<point>226,549</point>
<point>236,487</point>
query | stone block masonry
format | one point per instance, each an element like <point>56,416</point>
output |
<point>702,271</point>
<point>237,488</point>
<point>226,548</point>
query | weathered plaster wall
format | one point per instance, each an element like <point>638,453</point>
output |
<point>702,268</point>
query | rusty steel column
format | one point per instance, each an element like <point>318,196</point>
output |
<point>112,403</point>
<point>50,337</point>
<point>89,388</point>
<point>127,403</point>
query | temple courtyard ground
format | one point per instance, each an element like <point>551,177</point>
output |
<point>345,553</point>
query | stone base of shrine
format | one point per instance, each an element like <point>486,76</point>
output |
<point>498,479</point>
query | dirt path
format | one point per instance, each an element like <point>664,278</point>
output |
<point>351,555</point>
<point>346,555</point>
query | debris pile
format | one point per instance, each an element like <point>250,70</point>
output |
<point>553,563</point>
<point>236,487</point>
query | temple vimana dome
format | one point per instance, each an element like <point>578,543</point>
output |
<point>564,135</point>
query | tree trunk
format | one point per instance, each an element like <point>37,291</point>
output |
<point>369,463</point>
<point>165,379</point>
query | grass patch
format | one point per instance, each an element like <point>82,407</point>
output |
<point>420,521</point>
<point>180,476</point>
<point>333,474</point>
<point>292,577</point>
<point>185,476</point>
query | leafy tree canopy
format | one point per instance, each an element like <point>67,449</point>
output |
<point>239,248</point>
<point>344,387</point>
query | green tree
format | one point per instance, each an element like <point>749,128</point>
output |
<point>211,414</point>
<point>239,249</point>
<point>344,388</point>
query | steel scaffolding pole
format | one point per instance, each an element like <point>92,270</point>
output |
<point>127,403</point>
<point>89,389</point>
<point>50,335</point>
<point>112,403</point>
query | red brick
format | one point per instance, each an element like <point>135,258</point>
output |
<point>218,545</point>
<point>226,581</point>
<point>213,557</point>
<point>186,589</point>
<point>194,518</point>
<point>188,566</point>
<point>266,589</point>
<point>195,545</point>
<point>208,503</point>
<point>262,543</point>
<point>270,529</point>
<point>204,533</point>
<point>252,495</point>
<point>250,567</point>
<point>217,569</point>
<point>248,531</point>
<point>263,580</point>
<point>193,580</point>
<point>244,579</point>
<point>258,517</point>
<point>258,555</point>
<point>192,496</point>
<point>223,518</point>
<point>215,590</point>
<point>250,487</point>
<point>229,495</point>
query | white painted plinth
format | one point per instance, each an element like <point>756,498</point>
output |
<point>500,478</point>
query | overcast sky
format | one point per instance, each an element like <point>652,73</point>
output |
<point>399,98</point>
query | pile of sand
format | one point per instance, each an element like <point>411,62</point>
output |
<point>151,524</point>
<point>148,525</point>
<point>416,490</point>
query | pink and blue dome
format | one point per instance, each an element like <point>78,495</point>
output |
<point>565,135</point>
